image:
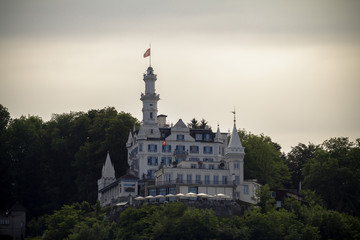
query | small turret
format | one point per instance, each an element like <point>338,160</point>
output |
<point>107,175</point>
<point>130,140</point>
<point>218,136</point>
<point>234,155</point>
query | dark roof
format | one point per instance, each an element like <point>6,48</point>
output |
<point>17,207</point>
<point>128,176</point>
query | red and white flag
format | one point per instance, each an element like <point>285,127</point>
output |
<point>147,53</point>
<point>164,143</point>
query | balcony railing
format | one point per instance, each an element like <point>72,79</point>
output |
<point>195,182</point>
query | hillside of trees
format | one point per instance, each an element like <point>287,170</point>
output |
<point>46,165</point>
<point>179,221</point>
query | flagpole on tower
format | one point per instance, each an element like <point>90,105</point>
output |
<point>148,54</point>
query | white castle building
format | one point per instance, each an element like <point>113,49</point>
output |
<point>178,159</point>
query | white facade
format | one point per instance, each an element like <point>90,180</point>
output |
<point>178,159</point>
<point>202,158</point>
<point>224,175</point>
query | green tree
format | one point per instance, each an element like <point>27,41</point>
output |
<point>79,221</point>
<point>296,160</point>
<point>4,118</point>
<point>334,174</point>
<point>108,131</point>
<point>6,173</point>
<point>263,160</point>
<point>266,201</point>
<point>29,164</point>
<point>330,224</point>
<point>203,124</point>
<point>65,134</point>
<point>194,124</point>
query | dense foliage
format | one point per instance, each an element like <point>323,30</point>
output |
<point>47,164</point>
<point>178,221</point>
<point>264,161</point>
<point>332,170</point>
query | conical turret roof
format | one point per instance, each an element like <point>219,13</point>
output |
<point>235,139</point>
<point>130,140</point>
<point>235,146</point>
<point>218,135</point>
<point>108,168</point>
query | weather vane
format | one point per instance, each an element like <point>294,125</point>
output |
<point>233,112</point>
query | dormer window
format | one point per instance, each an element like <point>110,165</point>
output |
<point>180,137</point>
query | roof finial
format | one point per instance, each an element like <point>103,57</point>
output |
<point>233,112</point>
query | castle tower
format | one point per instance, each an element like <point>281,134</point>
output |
<point>149,128</point>
<point>234,156</point>
<point>107,175</point>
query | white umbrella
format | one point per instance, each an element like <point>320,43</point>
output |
<point>190,194</point>
<point>169,195</point>
<point>149,197</point>
<point>203,195</point>
<point>179,195</point>
<point>121,204</point>
<point>220,195</point>
<point>139,198</point>
<point>159,196</point>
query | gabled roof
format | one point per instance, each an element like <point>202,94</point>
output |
<point>180,124</point>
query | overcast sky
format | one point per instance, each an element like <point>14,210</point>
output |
<point>290,68</point>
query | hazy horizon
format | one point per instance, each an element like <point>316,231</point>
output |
<point>291,69</point>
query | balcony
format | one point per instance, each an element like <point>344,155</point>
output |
<point>195,182</point>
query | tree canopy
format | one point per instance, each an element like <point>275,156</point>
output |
<point>48,164</point>
<point>263,160</point>
<point>179,221</point>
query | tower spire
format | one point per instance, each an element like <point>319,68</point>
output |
<point>233,112</point>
